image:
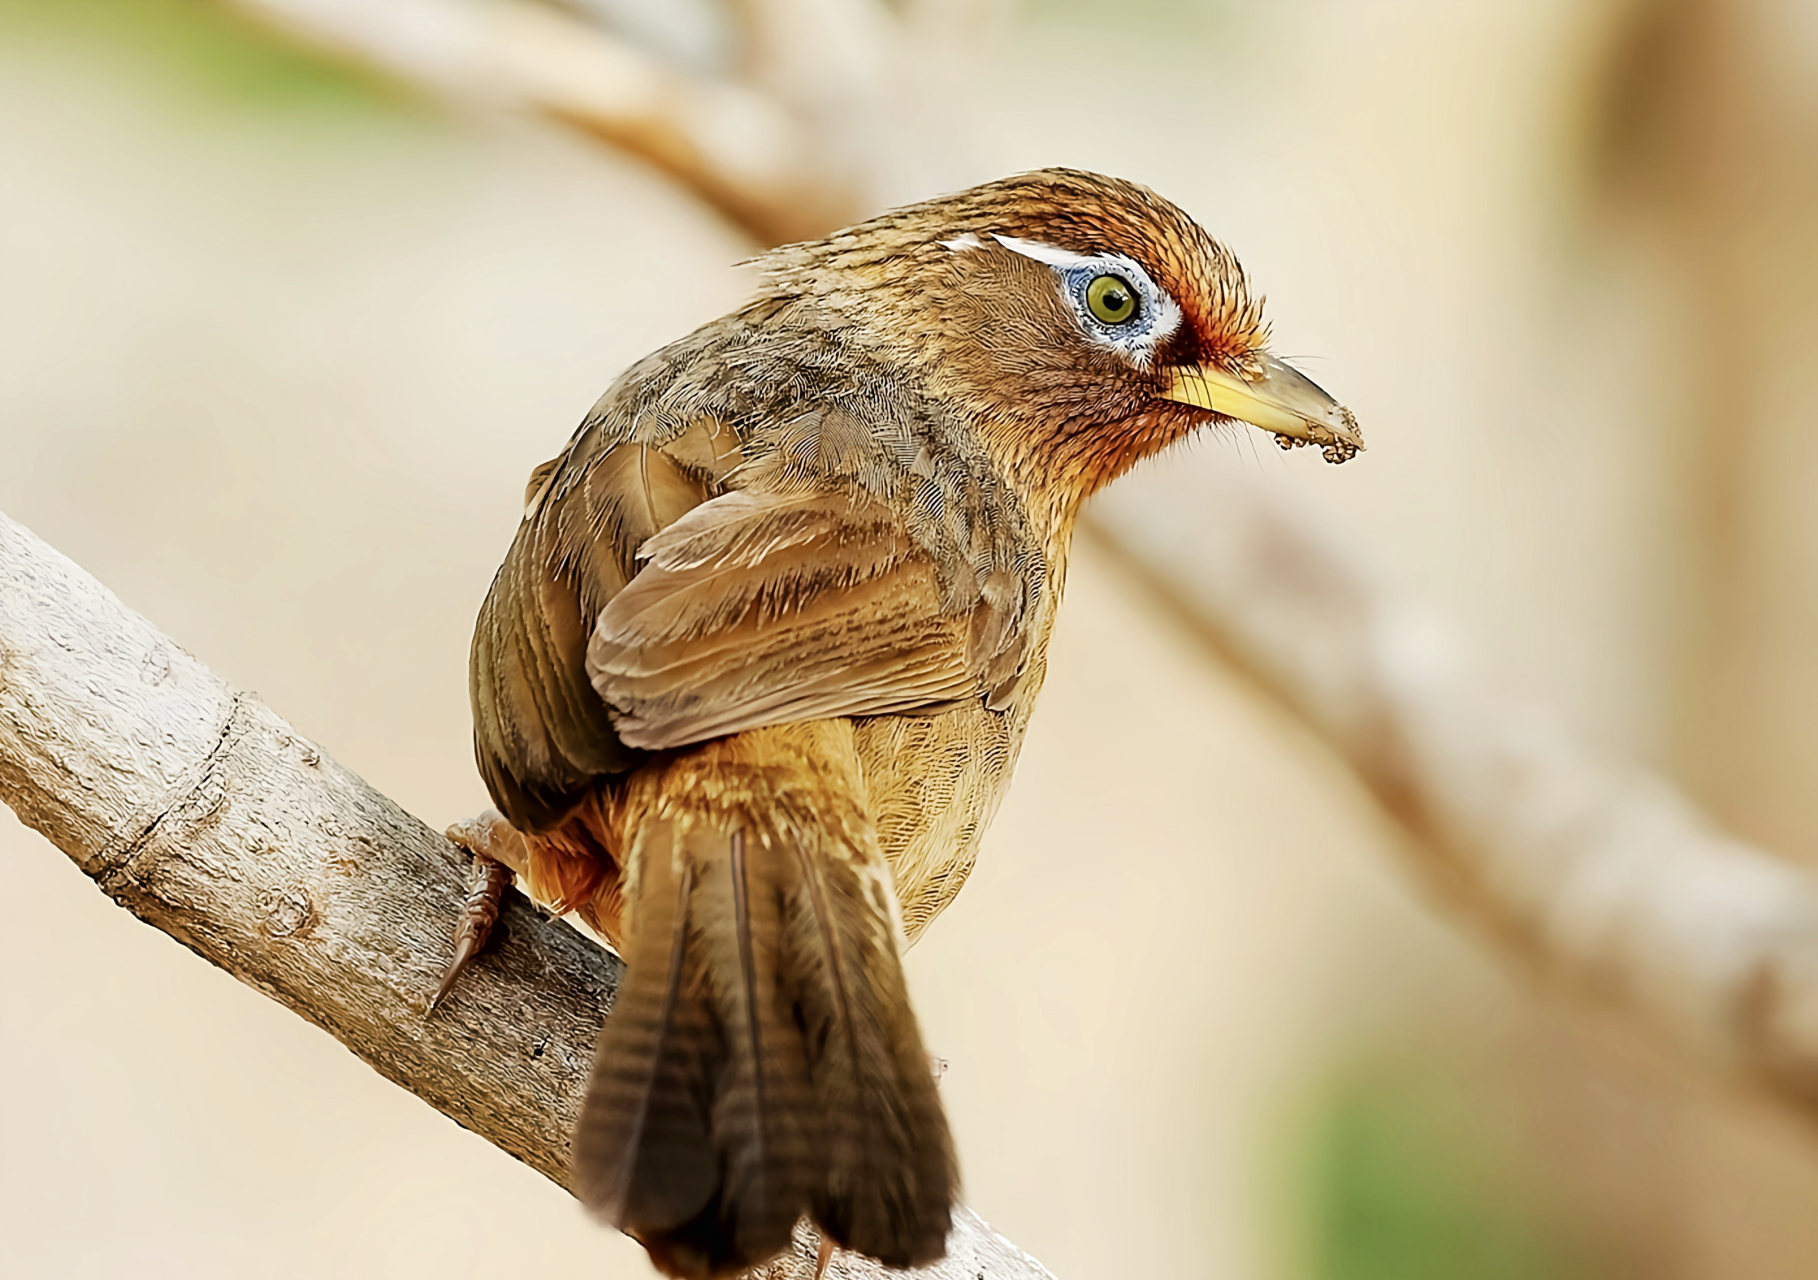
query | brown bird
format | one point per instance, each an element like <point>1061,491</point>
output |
<point>752,678</point>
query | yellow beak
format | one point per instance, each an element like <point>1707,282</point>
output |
<point>1282,400</point>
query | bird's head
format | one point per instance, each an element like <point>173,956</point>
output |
<point>1082,322</point>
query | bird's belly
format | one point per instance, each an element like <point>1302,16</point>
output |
<point>934,783</point>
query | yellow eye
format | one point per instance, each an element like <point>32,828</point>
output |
<point>1111,299</point>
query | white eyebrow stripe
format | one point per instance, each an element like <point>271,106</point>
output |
<point>1167,320</point>
<point>1062,258</point>
<point>1138,348</point>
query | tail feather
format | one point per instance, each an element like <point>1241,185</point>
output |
<point>888,1186</point>
<point>762,1061</point>
<point>643,1151</point>
<point>762,1115</point>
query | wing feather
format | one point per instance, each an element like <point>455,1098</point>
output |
<point>643,607</point>
<point>541,733</point>
<point>755,610</point>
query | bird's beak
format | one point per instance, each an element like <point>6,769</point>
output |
<point>1281,400</point>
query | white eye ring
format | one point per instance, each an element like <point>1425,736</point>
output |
<point>1157,316</point>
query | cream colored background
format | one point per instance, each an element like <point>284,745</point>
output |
<point>276,376</point>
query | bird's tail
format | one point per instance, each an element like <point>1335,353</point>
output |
<point>761,1061</point>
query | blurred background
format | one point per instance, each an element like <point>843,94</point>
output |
<point>280,337</point>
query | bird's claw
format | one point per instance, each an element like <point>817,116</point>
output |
<point>478,916</point>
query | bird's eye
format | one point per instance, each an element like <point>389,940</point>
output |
<point>1111,299</point>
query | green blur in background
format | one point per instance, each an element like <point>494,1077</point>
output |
<point>200,51</point>
<point>1401,1179</point>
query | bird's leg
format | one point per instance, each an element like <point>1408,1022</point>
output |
<point>824,1257</point>
<point>499,853</point>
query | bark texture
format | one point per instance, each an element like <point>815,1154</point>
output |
<point>203,813</point>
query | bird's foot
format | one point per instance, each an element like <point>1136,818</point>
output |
<point>497,849</point>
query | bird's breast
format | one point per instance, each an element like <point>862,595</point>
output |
<point>935,781</point>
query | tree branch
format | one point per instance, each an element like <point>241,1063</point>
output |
<point>1600,874</point>
<point>199,810</point>
<point>780,151</point>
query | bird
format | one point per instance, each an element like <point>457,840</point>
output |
<point>752,678</point>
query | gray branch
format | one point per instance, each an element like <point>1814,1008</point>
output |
<point>199,810</point>
<point>1600,874</point>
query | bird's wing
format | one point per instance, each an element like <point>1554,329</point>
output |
<point>541,733</point>
<point>759,609</point>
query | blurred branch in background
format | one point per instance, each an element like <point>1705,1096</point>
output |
<point>774,111</point>
<point>196,808</point>
<point>1603,875</point>
<point>1600,874</point>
